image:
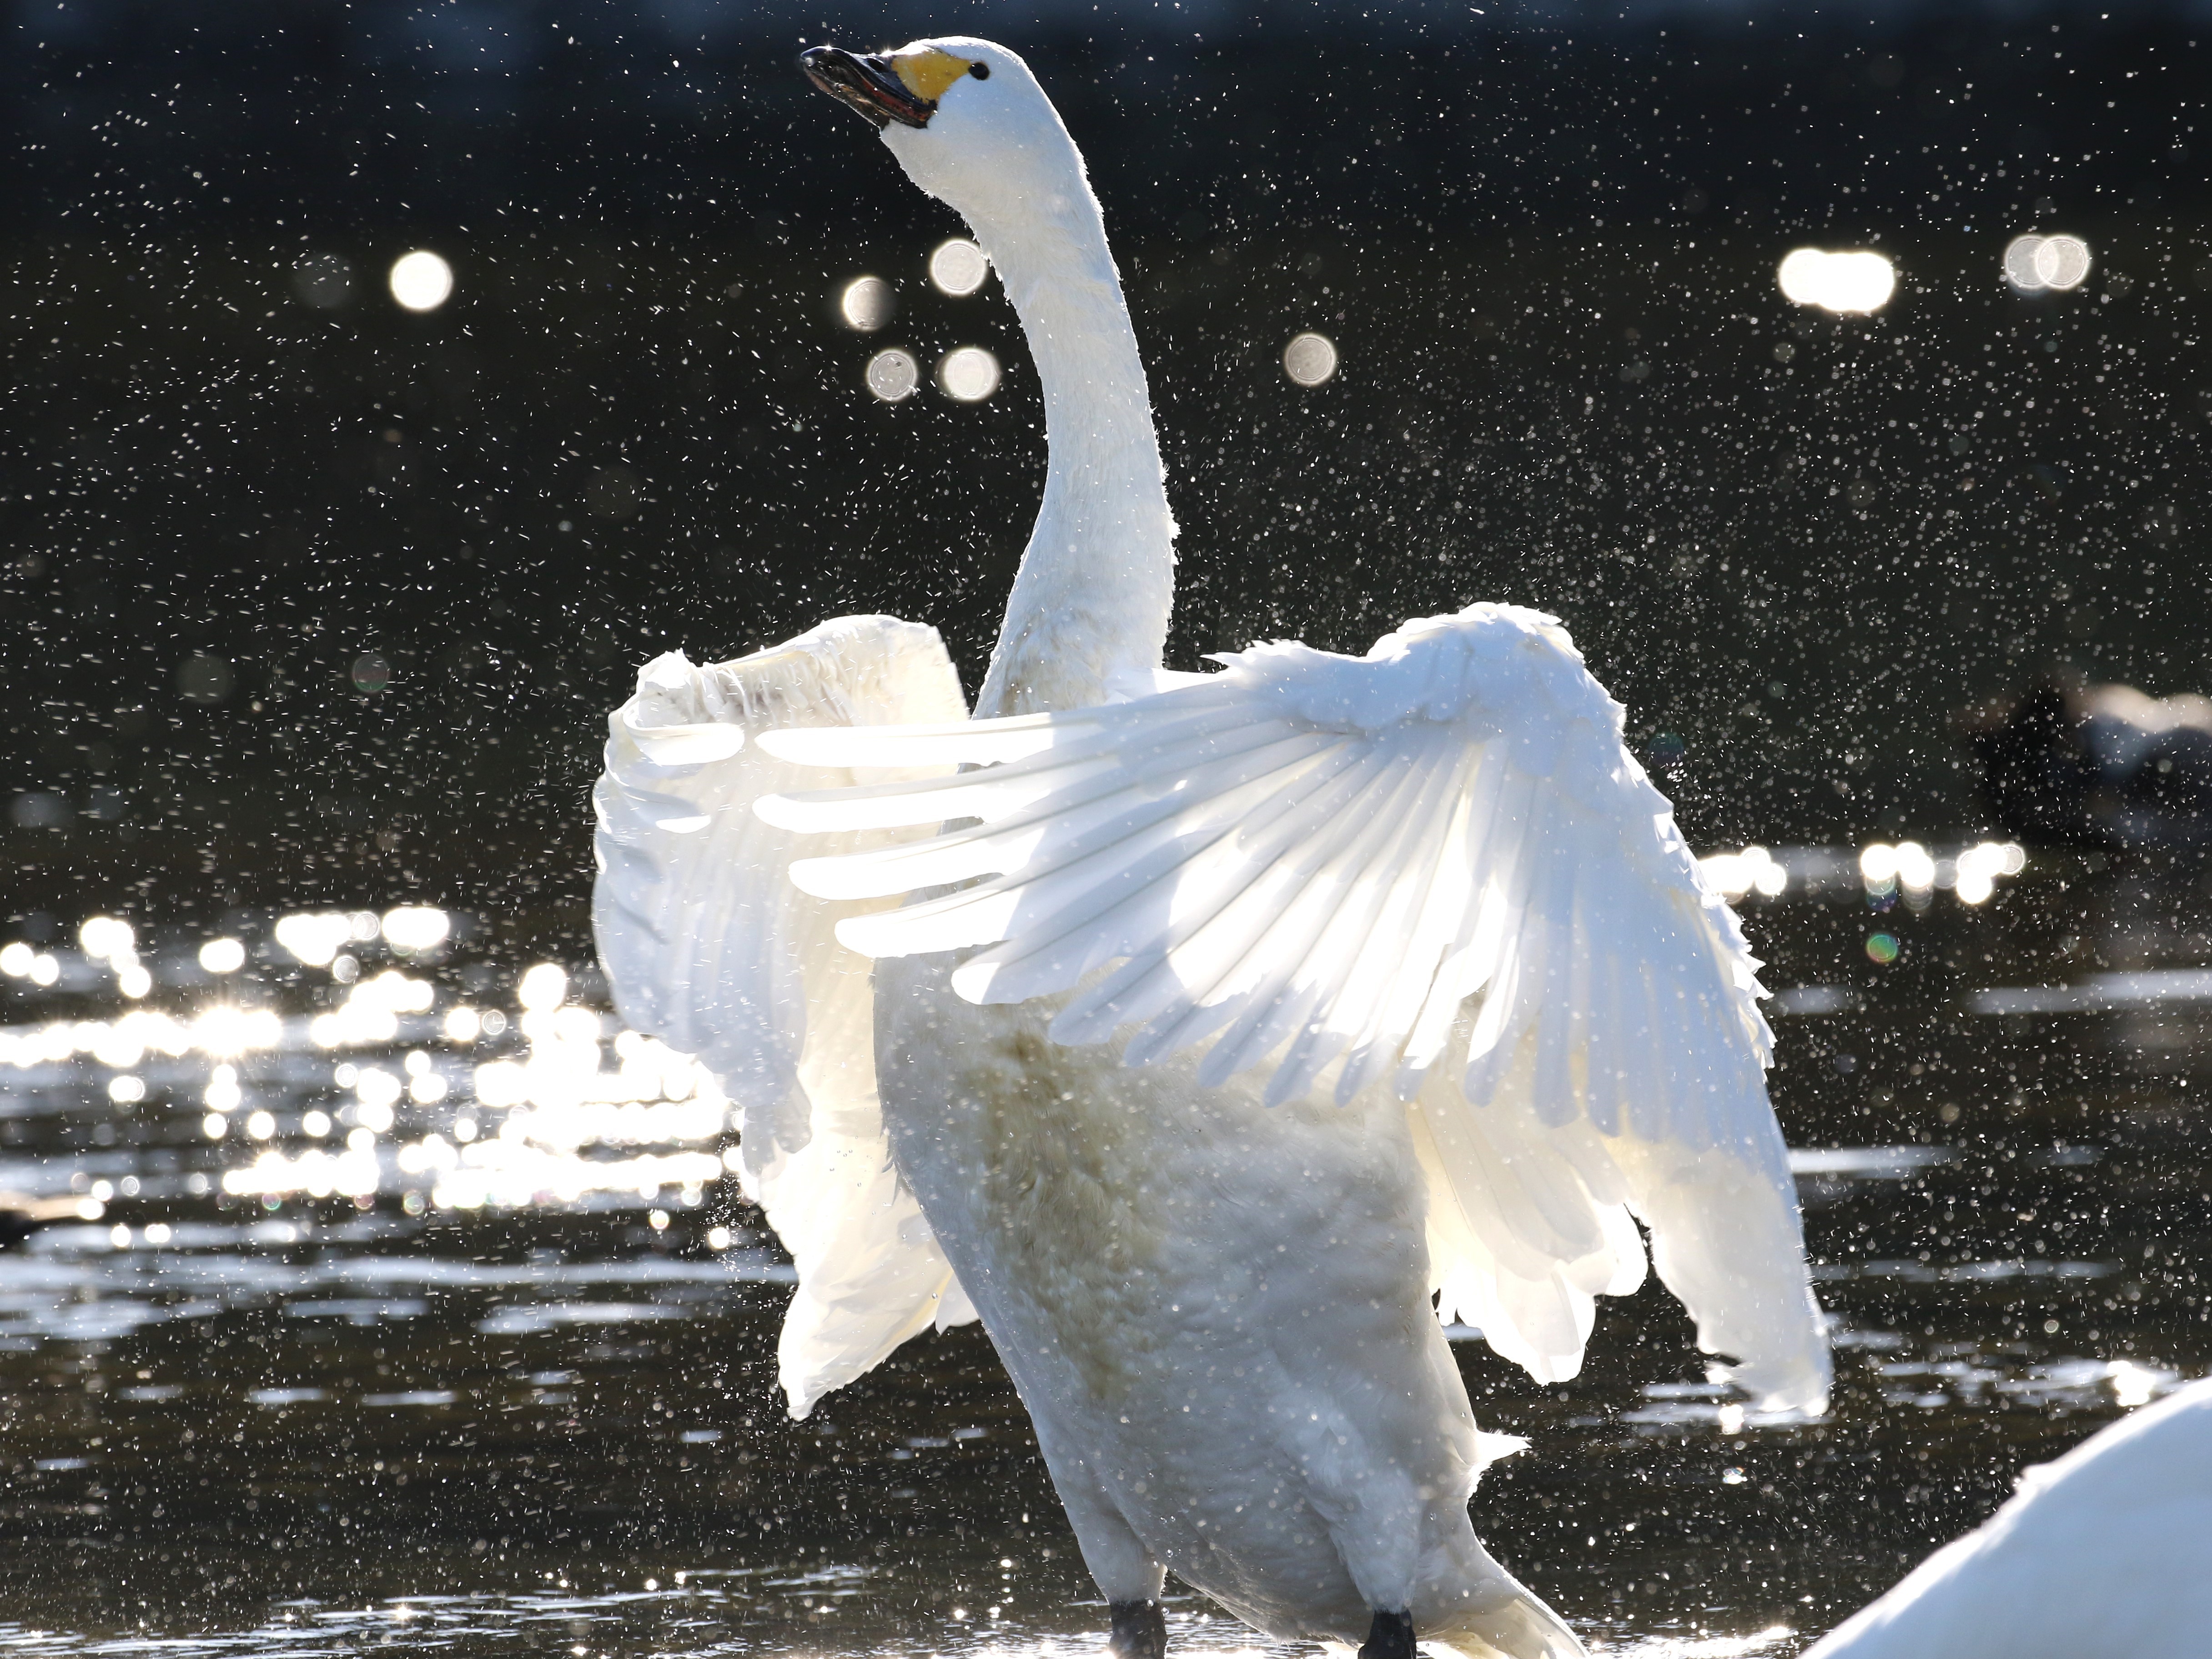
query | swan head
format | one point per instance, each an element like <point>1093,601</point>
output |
<point>968,122</point>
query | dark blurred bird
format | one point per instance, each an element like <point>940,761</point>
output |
<point>21,1215</point>
<point>2071,764</point>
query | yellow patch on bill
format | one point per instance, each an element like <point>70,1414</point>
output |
<point>927,72</point>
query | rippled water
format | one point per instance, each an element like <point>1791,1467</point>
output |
<point>480,1359</point>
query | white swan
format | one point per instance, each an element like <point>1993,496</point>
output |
<point>1471,1010</point>
<point>2105,1553</point>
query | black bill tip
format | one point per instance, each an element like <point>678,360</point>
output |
<point>868,84</point>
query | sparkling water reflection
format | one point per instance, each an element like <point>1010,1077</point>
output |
<point>470,1347</point>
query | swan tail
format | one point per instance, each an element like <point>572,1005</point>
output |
<point>1464,1600</point>
<point>1513,1625</point>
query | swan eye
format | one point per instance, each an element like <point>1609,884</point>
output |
<point>980,71</point>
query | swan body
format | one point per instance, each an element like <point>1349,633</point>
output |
<point>1286,1430</point>
<point>2105,1553</point>
<point>1310,991</point>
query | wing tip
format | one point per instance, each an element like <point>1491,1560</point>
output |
<point>782,813</point>
<point>798,745</point>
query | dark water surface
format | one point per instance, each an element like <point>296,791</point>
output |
<point>510,1388</point>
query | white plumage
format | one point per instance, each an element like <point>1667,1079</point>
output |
<point>1256,1010</point>
<point>1309,864</point>
<point>709,947</point>
<point>2105,1553</point>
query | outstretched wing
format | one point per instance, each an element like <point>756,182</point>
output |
<point>709,948</point>
<point>1436,869</point>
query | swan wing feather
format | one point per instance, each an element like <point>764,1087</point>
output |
<point>709,947</point>
<point>1436,869</point>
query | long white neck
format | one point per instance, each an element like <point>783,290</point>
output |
<point>1089,612</point>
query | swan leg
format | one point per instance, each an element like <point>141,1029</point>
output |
<point>1141,1630</point>
<point>1390,1636</point>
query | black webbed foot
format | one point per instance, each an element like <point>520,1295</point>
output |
<point>1390,1636</point>
<point>1141,1630</point>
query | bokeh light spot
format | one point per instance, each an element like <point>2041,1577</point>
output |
<point>2034,263</point>
<point>313,938</point>
<point>542,986</point>
<point>969,375</point>
<point>958,266</point>
<point>866,303</point>
<point>323,280</point>
<point>893,375</point>
<point>106,938</point>
<point>415,929</point>
<point>1858,280</point>
<point>421,280</point>
<point>1755,870</point>
<point>1310,359</point>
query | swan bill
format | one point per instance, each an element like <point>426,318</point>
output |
<point>886,87</point>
